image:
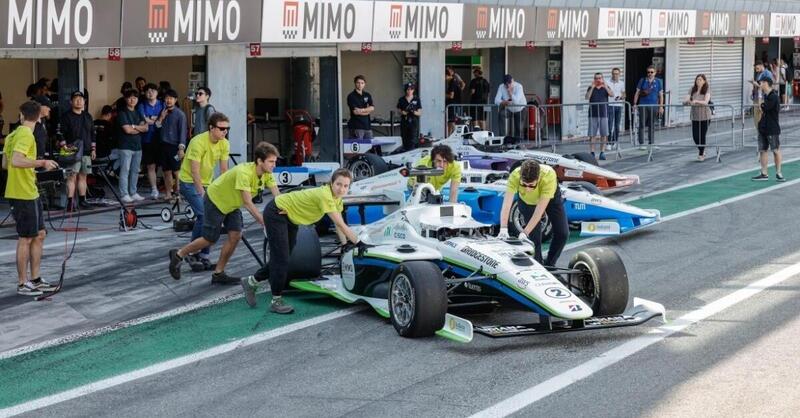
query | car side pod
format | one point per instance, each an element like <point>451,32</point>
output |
<point>642,311</point>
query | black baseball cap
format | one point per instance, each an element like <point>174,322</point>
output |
<point>42,100</point>
<point>77,93</point>
<point>409,86</point>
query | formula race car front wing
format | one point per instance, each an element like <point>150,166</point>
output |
<point>642,311</point>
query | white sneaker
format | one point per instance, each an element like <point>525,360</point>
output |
<point>126,199</point>
<point>137,197</point>
<point>642,148</point>
<point>154,195</point>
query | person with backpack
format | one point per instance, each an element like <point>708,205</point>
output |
<point>202,111</point>
<point>478,96</point>
<point>649,103</point>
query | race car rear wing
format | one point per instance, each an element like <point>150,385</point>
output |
<point>642,311</point>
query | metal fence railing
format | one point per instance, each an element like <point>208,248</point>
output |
<point>503,121</point>
<point>685,126</point>
<point>580,123</point>
<point>789,121</point>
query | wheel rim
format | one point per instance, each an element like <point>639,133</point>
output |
<point>402,300</point>
<point>518,219</point>
<point>361,169</point>
<point>584,287</point>
<point>189,212</point>
<point>548,227</point>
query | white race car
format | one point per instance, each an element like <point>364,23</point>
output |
<point>430,260</point>
<point>483,150</point>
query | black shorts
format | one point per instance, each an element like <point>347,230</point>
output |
<point>28,215</point>
<point>213,220</point>
<point>782,89</point>
<point>150,153</point>
<point>767,142</point>
<point>168,153</point>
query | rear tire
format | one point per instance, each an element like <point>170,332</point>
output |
<point>305,261</point>
<point>366,165</point>
<point>417,299</point>
<point>603,284</point>
<point>516,223</point>
<point>584,185</point>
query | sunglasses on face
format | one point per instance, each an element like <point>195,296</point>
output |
<point>529,185</point>
<point>223,129</point>
<point>651,72</point>
<point>199,93</point>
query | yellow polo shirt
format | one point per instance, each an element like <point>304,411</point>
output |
<point>226,191</point>
<point>451,172</point>
<point>545,187</point>
<point>202,150</point>
<point>21,181</point>
<point>306,207</point>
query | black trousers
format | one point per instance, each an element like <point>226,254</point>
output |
<point>409,131</point>
<point>282,236</point>
<point>558,219</point>
<point>699,130</point>
<point>648,116</point>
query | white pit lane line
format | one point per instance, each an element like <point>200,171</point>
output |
<point>554,384</point>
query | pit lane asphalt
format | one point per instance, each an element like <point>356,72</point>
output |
<point>357,366</point>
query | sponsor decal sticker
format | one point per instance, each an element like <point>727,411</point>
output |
<point>482,258</point>
<point>557,293</point>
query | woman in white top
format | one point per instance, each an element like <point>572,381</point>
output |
<point>699,97</point>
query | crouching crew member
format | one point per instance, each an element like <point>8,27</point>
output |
<point>282,216</point>
<point>221,204</point>
<point>442,158</point>
<point>537,187</point>
<point>19,158</point>
<point>197,170</point>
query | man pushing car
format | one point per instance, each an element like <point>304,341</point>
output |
<point>537,187</point>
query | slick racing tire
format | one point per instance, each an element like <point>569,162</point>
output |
<point>366,165</point>
<point>306,259</point>
<point>603,282</point>
<point>585,157</point>
<point>417,299</point>
<point>516,223</point>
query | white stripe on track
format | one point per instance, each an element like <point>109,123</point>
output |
<point>173,364</point>
<point>613,356</point>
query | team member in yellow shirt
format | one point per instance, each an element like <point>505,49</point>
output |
<point>221,204</point>
<point>19,157</point>
<point>442,158</point>
<point>197,170</point>
<point>537,187</point>
<point>282,217</point>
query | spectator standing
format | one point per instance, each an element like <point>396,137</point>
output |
<point>616,109</point>
<point>410,109</point>
<point>131,126</point>
<point>511,99</point>
<point>698,99</point>
<point>453,86</point>
<point>780,74</point>
<point>202,111</point>
<point>361,106</point>
<point>163,86</point>
<point>769,131</point>
<point>77,126</point>
<point>121,103</point>
<point>758,96</point>
<point>204,153</point>
<point>151,110</point>
<point>19,158</point>
<point>103,132</point>
<point>598,94</point>
<point>478,95</point>
<point>174,130</point>
<point>650,95</point>
<point>141,86</point>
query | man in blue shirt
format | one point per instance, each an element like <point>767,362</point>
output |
<point>650,95</point>
<point>150,109</point>
<point>174,130</point>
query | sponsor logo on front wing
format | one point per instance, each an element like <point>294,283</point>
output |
<point>482,258</point>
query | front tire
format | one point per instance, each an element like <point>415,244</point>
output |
<point>603,282</point>
<point>516,223</point>
<point>417,299</point>
<point>586,157</point>
<point>366,165</point>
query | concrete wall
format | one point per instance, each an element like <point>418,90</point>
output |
<point>103,79</point>
<point>17,74</point>
<point>225,62</point>
<point>432,85</point>
<point>529,68</point>
<point>266,78</point>
<point>384,73</point>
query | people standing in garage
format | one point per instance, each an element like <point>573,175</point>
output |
<point>361,106</point>
<point>537,187</point>
<point>616,109</point>
<point>410,109</point>
<point>598,94</point>
<point>202,111</point>
<point>511,99</point>
<point>453,87</point>
<point>174,130</point>
<point>478,96</point>
<point>648,101</point>
<point>151,109</point>
<point>700,114</point>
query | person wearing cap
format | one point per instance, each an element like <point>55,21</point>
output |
<point>453,87</point>
<point>410,109</point>
<point>174,130</point>
<point>511,99</point>
<point>150,108</point>
<point>77,126</point>
<point>40,133</point>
